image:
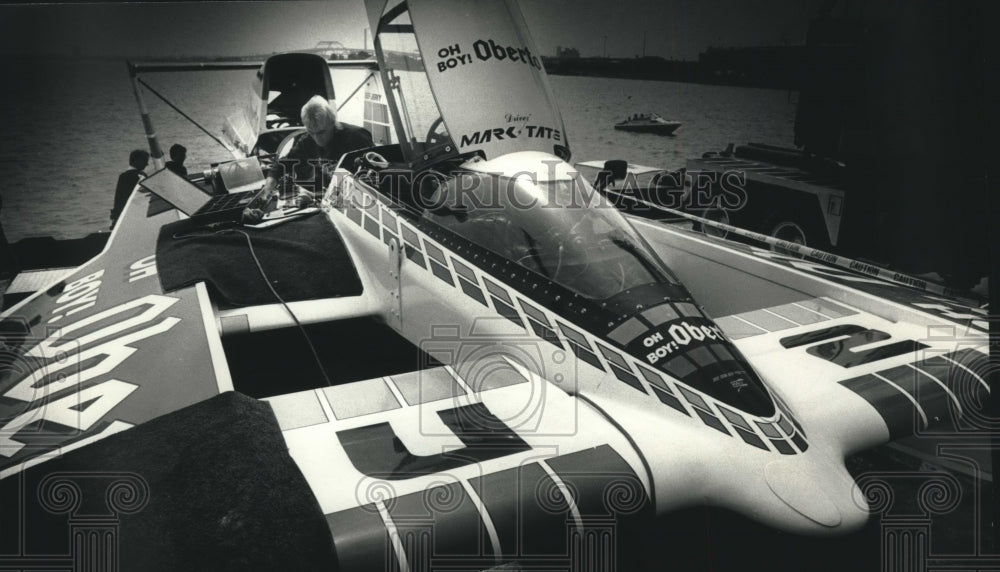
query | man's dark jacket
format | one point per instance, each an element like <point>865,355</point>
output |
<point>305,156</point>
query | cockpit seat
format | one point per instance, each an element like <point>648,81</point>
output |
<point>614,170</point>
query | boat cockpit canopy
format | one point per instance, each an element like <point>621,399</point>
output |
<point>560,229</point>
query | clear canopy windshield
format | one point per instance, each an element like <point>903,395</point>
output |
<point>419,122</point>
<point>560,229</point>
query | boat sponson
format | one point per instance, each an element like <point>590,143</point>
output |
<point>208,487</point>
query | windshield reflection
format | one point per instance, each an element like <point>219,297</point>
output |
<point>559,229</point>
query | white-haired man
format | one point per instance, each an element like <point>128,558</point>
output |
<point>324,142</point>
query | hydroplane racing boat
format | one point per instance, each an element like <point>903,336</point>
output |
<point>575,372</point>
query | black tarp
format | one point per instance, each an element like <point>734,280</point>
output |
<point>304,259</point>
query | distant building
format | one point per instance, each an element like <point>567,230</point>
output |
<point>567,53</point>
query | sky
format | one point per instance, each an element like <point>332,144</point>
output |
<point>678,29</point>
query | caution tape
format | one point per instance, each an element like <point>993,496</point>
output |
<point>967,298</point>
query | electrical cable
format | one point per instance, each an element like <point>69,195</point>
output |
<point>267,281</point>
<point>278,297</point>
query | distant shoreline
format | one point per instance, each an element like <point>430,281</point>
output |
<point>121,58</point>
<point>770,68</point>
<point>757,67</point>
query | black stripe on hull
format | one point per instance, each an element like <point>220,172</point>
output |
<point>360,539</point>
<point>892,392</point>
<point>534,521</point>
<point>895,408</point>
<point>441,522</point>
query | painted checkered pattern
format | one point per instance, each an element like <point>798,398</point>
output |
<point>546,325</point>
<point>783,317</point>
<point>368,397</point>
<point>972,317</point>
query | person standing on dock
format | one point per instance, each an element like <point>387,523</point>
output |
<point>324,143</point>
<point>178,153</point>
<point>137,160</point>
<point>8,268</point>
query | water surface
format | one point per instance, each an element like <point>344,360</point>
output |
<point>69,126</point>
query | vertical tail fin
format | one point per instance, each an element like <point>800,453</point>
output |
<point>377,120</point>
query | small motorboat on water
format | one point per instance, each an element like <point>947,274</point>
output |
<point>648,123</point>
